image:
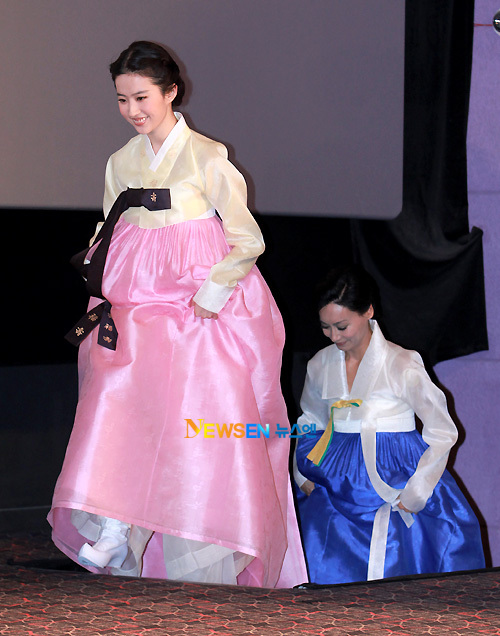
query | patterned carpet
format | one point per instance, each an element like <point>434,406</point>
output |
<point>42,593</point>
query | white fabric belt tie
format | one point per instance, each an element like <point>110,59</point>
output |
<point>399,424</point>
<point>368,429</point>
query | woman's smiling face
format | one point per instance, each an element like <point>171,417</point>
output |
<point>143,104</point>
<point>347,329</point>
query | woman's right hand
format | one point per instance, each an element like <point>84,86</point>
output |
<point>307,487</point>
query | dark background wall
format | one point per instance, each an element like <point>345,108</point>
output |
<point>474,381</point>
<point>296,89</point>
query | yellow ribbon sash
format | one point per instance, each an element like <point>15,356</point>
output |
<point>318,452</point>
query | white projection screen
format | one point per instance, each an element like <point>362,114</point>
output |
<point>307,95</point>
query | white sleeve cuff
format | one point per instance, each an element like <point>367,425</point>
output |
<point>297,475</point>
<point>212,296</point>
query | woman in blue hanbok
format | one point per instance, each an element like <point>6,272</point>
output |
<point>376,499</point>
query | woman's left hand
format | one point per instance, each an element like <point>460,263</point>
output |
<point>400,505</point>
<point>200,312</point>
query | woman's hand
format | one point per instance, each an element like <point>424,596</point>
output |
<point>400,505</point>
<point>307,487</point>
<point>200,312</point>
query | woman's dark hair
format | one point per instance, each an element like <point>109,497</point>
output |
<point>349,286</point>
<point>150,60</point>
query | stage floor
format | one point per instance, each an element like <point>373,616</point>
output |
<point>42,593</point>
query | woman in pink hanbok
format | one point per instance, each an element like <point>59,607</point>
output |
<point>186,334</point>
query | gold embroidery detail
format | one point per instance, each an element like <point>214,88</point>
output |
<point>108,327</point>
<point>153,197</point>
<point>79,331</point>
<point>107,339</point>
<point>93,317</point>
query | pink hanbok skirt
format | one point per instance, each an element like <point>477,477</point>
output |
<point>132,454</point>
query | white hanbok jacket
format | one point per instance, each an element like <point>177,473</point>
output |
<point>393,386</point>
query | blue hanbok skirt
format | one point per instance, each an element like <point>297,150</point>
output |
<point>337,518</point>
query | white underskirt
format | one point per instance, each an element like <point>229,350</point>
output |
<point>185,559</point>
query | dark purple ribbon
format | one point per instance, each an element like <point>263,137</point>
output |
<point>152,199</point>
<point>100,315</point>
